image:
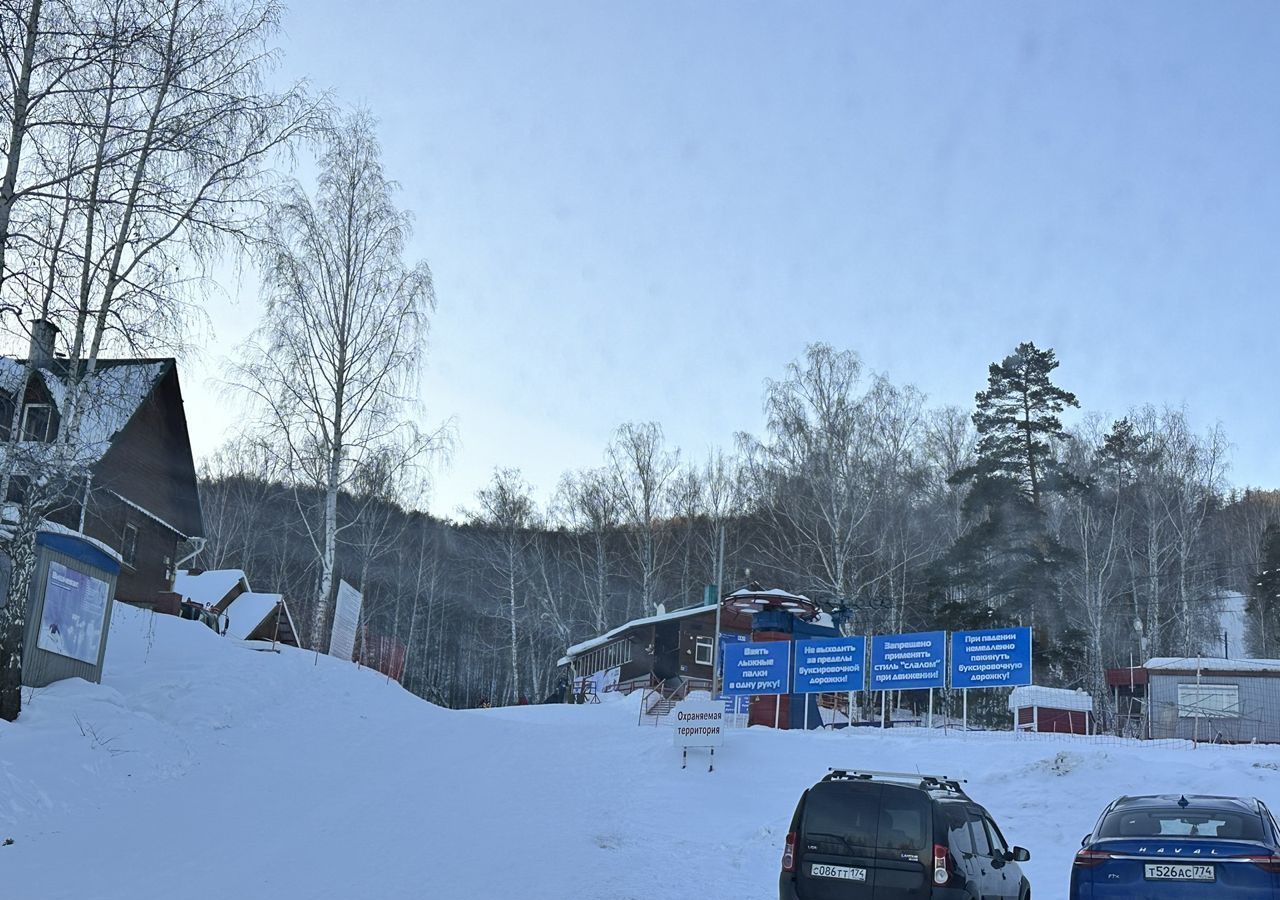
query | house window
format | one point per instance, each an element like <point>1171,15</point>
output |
<point>37,422</point>
<point>129,547</point>
<point>702,651</point>
<point>1209,701</point>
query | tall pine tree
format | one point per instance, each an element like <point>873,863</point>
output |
<point>1017,418</point>
<point>1007,559</point>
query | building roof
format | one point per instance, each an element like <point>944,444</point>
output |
<point>1170,664</point>
<point>1049,698</point>
<point>211,587</point>
<point>579,649</point>
<point>113,396</point>
<point>248,611</point>
<point>54,528</point>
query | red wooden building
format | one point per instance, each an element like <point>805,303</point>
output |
<point>1054,710</point>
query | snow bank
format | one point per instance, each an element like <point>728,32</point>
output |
<point>202,769</point>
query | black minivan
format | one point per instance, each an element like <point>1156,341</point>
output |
<point>896,836</point>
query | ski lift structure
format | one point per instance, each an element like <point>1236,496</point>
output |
<point>778,615</point>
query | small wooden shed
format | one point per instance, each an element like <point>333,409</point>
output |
<point>1054,710</point>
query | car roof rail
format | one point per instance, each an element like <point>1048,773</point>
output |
<point>925,782</point>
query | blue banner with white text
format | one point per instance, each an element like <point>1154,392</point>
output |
<point>830,664</point>
<point>762,667</point>
<point>997,657</point>
<point>908,662</point>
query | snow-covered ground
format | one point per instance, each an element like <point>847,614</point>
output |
<point>202,768</point>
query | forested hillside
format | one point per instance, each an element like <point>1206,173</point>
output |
<point>1112,537</point>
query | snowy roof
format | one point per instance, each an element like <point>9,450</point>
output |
<point>1049,698</point>
<point>55,528</point>
<point>211,587</point>
<point>248,611</point>
<point>10,374</point>
<point>1212,664</point>
<point>109,397</point>
<point>579,649</point>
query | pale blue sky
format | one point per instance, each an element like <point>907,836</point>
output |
<point>642,210</point>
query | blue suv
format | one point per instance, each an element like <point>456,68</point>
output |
<point>1170,847</point>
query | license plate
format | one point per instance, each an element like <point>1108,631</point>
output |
<point>1177,872</point>
<point>848,873</point>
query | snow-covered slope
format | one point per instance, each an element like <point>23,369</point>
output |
<point>202,768</point>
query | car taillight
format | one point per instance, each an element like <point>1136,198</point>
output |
<point>1087,859</point>
<point>789,853</point>
<point>941,867</point>
<point>1265,863</point>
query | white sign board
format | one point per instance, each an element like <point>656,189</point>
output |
<point>346,619</point>
<point>699,723</point>
<point>75,610</point>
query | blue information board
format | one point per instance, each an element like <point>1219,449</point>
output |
<point>763,667</point>
<point>906,662</point>
<point>999,657</point>
<point>830,664</point>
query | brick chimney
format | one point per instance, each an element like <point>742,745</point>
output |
<point>43,335</point>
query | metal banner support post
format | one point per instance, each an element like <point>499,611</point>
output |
<point>964,692</point>
<point>930,707</point>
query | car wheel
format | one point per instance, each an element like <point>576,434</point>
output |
<point>1025,894</point>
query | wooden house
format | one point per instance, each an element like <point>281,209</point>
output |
<point>643,653</point>
<point>140,494</point>
<point>223,599</point>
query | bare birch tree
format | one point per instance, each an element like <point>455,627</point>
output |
<point>335,362</point>
<point>507,508</point>
<point>141,136</point>
<point>586,503</point>
<point>640,467</point>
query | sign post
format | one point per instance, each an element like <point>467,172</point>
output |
<point>699,724</point>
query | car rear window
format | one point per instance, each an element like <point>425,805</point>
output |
<point>867,816</point>
<point>1175,821</point>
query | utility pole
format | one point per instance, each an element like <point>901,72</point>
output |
<point>715,647</point>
